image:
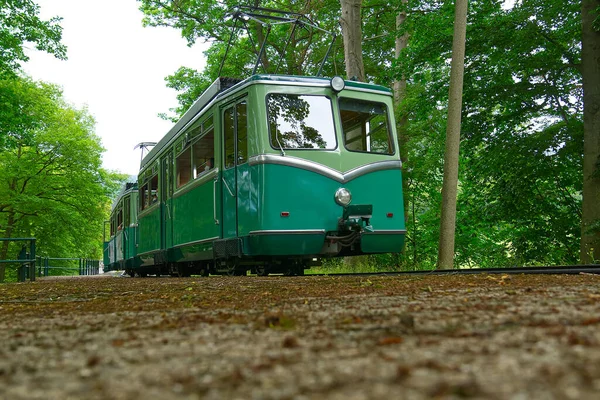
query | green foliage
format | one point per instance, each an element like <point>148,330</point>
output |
<point>52,186</point>
<point>24,108</point>
<point>521,150</point>
<point>20,24</point>
<point>203,20</point>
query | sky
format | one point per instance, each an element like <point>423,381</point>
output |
<point>116,68</point>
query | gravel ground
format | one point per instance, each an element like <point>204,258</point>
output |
<point>484,336</point>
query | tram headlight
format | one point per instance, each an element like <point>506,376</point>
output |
<point>343,197</point>
<point>337,84</point>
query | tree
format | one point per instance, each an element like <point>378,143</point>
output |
<point>449,190</point>
<point>52,186</point>
<point>351,30</point>
<point>24,109</point>
<point>20,24</point>
<point>520,157</point>
<point>590,70</point>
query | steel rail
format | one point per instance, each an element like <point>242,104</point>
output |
<point>555,270</point>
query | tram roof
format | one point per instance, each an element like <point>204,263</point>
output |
<point>129,186</point>
<point>222,86</point>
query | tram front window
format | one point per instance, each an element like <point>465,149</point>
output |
<point>366,126</point>
<point>300,122</point>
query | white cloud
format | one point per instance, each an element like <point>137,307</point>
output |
<point>117,68</point>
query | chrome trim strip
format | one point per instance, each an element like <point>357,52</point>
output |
<point>320,84</point>
<point>291,83</point>
<point>288,232</point>
<point>321,169</point>
<point>196,242</point>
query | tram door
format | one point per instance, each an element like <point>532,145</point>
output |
<point>166,191</point>
<point>235,149</point>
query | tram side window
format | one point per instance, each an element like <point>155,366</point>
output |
<point>366,126</point>
<point>203,152</point>
<point>228,130</point>
<point>149,192</point>
<point>120,219</point>
<point>154,190</point>
<point>144,196</point>
<point>183,166</point>
<point>242,132</point>
<point>127,212</point>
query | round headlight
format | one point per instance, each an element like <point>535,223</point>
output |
<point>337,83</point>
<point>343,197</point>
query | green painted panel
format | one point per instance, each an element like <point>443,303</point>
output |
<point>193,217</point>
<point>308,197</point>
<point>247,200</point>
<point>129,247</point>
<point>307,200</point>
<point>229,196</point>
<point>149,230</point>
<point>105,259</point>
<point>281,244</point>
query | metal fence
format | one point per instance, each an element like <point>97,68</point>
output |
<point>29,265</point>
<point>25,260</point>
<point>54,266</point>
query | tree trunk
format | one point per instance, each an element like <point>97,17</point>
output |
<point>449,188</point>
<point>352,33</point>
<point>590,68</point>
<point>399,96</point>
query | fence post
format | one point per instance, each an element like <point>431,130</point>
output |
<point>21,272</point>
<point>32,263</point>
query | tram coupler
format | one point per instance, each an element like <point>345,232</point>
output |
<point>356,218</point>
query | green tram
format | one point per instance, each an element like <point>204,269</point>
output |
<point>269,175</point>
<point>120,251</point>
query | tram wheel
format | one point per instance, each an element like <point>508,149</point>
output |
<point>230,270</point>
<point>205,271</point>
<point>262,270</point>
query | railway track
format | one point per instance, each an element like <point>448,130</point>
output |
<point>556,270</point>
